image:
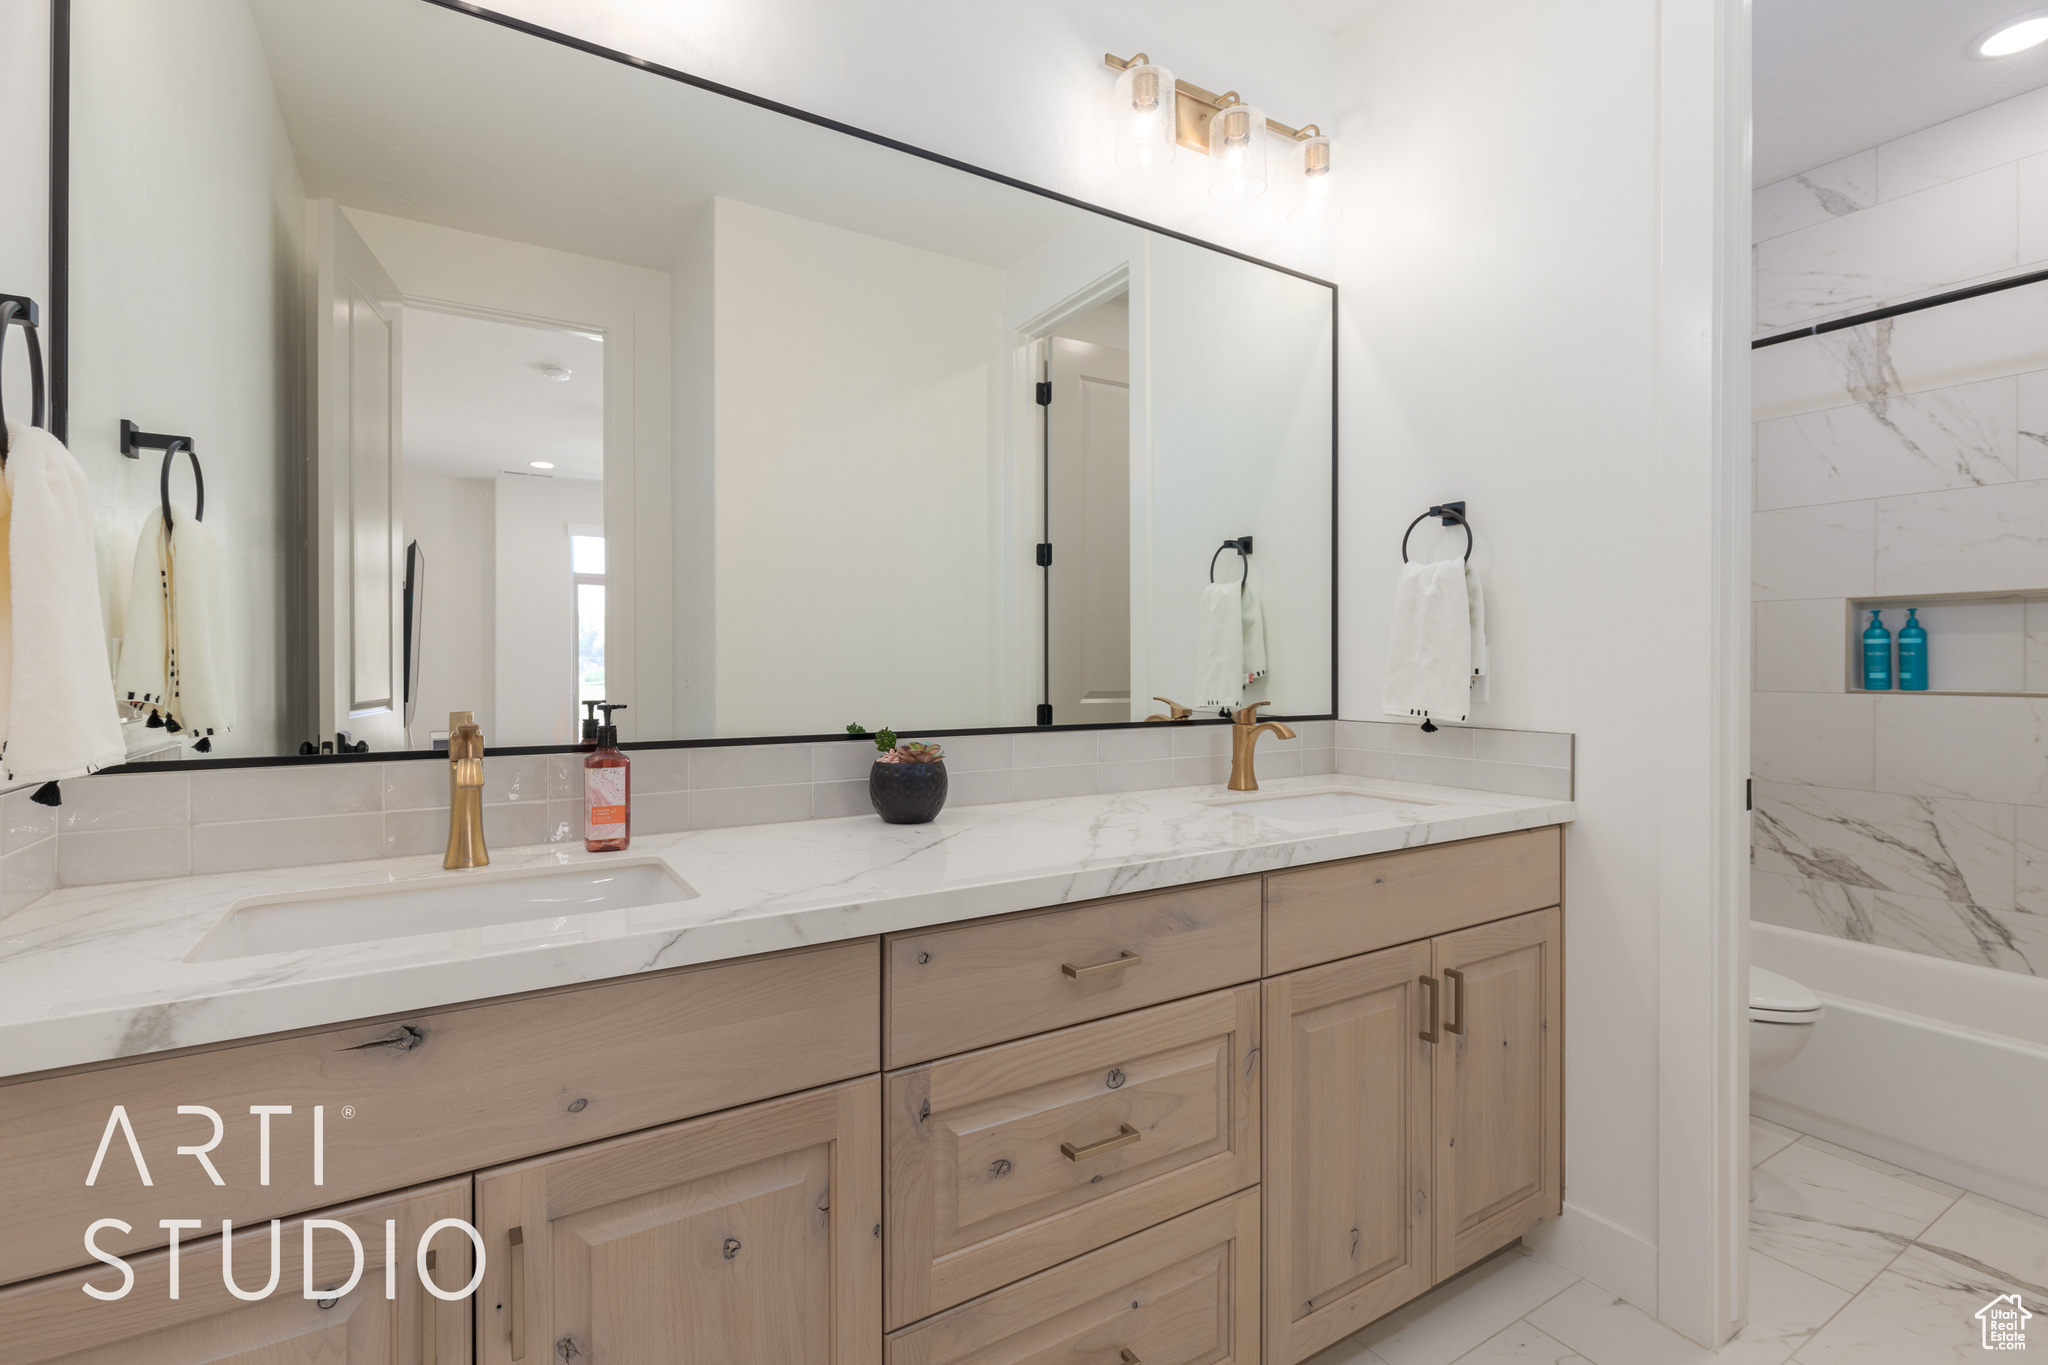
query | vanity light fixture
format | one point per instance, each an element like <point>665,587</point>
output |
<point>2014,36</point>
<point>1145,110</point>
<point>1226,130</point>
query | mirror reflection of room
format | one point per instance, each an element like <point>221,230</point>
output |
<point>645,395</point>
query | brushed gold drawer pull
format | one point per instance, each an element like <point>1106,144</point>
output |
<point>1456,1023</point>
<point>519,1293</point>
<point>1097,968</point>
<point>1429,1035</point>
<point>428,1344</point>
<point>1126,1135</point>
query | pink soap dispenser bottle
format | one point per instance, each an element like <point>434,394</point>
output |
<point>607,790</point>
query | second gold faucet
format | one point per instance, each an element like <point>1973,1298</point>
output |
<point>465,792</point>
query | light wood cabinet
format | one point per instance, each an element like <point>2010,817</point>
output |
<point>1005,1161</point>
<point>1185,1292</point>
<point>753,1235</point>
<point>1499,1085</point>
<point>1348,1147</point>
<point>53,1320</point>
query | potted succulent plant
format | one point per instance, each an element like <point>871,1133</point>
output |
<point>908,781</point>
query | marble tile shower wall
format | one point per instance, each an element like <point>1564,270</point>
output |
<point>1904,457</point>
<point>129,827</point>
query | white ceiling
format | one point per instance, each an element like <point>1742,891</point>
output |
<point>477,405</point>
<point>1835,76</point>
<point>419,112</point>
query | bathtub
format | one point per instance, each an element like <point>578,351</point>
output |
<point>1939,1066</point>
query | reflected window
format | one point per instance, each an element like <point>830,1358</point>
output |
<point>586,562</point>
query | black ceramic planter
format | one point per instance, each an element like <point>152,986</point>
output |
<point>908,793</point>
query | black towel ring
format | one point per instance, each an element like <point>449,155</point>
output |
<point>198,481</point>
<point>15,309</point>
<point>1243,546</point>
<point>1453,514</point>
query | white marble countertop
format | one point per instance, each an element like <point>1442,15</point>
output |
<point>93,973</point>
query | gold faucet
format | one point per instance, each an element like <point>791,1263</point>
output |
<point>465,792</point>
<point>1244,740</point>
<point>1174,711</point>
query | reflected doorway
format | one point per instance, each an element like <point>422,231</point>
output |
<point>1088,516</point>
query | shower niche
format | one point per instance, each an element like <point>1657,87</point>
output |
<point>1987,644</point>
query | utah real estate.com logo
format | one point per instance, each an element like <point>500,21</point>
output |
<point>2005,1323</point>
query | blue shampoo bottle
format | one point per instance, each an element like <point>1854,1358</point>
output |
<point>1877,656</point>
<point>1912,653</point>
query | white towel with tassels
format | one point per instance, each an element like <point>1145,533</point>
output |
<point>1219,648</point>
<point>175,661</point>
<point>1429,658</point>
<point>57,715</point>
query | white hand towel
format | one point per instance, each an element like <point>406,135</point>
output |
<point>1254,637</point>
<point>57,712</point>
<point>175,660</point>
<point>1429,659</point>
<point>1219,648</point>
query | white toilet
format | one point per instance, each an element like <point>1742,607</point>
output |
<point>1782,1014</point>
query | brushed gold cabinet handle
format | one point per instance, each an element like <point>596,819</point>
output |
<point>1456,1023</point>
<point>1126,1135</point>
<point>1429,1035</point>
<point>519,1293</point>
<point>427,1324</point>
<point>1095,968</point>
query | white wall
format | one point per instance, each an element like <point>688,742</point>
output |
<point>455,522</point>
<point>534,632</point>
<point>693,480</point>
<point>891,436</point>
<point>206,180</point>
<point>1531,265</point>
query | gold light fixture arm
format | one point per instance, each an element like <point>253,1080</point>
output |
<point>1196,106</point>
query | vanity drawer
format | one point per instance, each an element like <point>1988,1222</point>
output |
<point>1319,914</point>
<point>423,1096</point>
<point>954,989</point>
<point>1182,1293</point>
<point>1006,1161</point>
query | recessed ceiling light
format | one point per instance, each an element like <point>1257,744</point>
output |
<point>555,372</point>
<point>538,464</point>
<point>2027,31</point>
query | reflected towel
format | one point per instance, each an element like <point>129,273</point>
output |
<point>1219,648</point>
<point>1429,658</point>
<point>1254,618</point>
<point>174,660</point>
<point>57,717</point>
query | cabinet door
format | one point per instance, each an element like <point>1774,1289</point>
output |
<point>752,1237</point>
<point>1347,1147</point>
<point>1499,1085</point>
<point>53,1319</point>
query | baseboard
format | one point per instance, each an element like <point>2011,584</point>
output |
<point>1612,1257</point>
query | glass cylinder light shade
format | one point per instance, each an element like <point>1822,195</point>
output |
<point>1144,117</point>
<point>1315,182</point>
<point>1237,154</point>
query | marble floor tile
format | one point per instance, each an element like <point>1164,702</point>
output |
<point>1925,1182</point>
<point>1349,1351</point>
<point>1995,1239</point>
<point>1891,444</point>
<point>1767,1139</point>
<point>1523,1342</point>
<point>1919,1311</point>
<point>1886,841</point>
<point>1611,1331</point>
<point>1464,1312</point>
<point>1786,1307</point>
<point>1837,1220</point>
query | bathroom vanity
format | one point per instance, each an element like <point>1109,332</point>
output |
<point>1295,1075</point>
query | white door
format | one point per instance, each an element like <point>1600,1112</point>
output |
<point>360,533</point>
<point>1089,469</point>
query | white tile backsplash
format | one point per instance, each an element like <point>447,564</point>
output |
<point>124,827</point>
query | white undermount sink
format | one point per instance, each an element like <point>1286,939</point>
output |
<point>1318,803</point>
<point>296,920</point>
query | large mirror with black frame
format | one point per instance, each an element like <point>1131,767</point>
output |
<point>520,377</point>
